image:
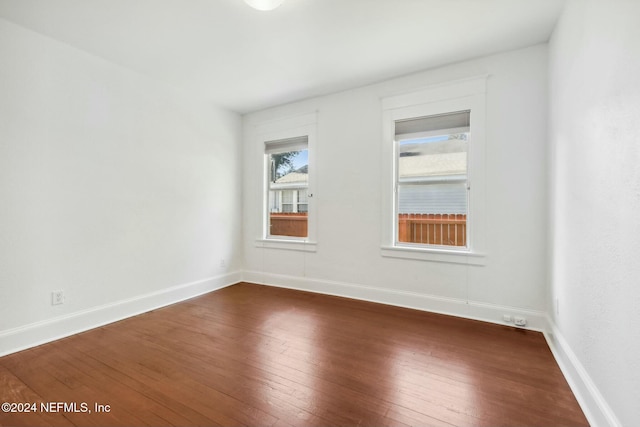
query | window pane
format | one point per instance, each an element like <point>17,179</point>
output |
<point>432,190</point>
<point>288,169</point>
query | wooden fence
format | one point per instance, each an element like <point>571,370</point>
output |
<point>288,224</point>
<point>433,229</point>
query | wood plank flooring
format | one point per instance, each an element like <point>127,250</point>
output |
<point>263,356</point>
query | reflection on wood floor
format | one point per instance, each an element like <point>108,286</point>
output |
<point>263,356</point>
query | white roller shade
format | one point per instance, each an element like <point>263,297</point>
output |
<point>459,121</point>
<point>285,145</point>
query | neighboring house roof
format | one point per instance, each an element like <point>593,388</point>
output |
<point>433,165</point>
<point>298,176</point>
<point>293,178</point>
<point>433,159</point>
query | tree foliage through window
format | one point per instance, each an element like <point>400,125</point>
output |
<point>282,164</point>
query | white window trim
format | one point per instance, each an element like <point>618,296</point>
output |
<point>467,94</point>
<point>285,128</point>
<point>291,245</point>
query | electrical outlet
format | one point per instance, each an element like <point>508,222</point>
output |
<point>223,263</point>
<point>520,321</point>
<point>506,317</point>
<point>557,305</point>
<point>57,297</point>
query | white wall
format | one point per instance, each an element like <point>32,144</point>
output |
<point>595,205</point>
<point>112,186</point>
<point>348,194</point>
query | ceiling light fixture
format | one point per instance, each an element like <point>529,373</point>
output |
<point>264,4</point>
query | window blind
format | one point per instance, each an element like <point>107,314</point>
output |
<point>284,145</point>
<point>459,120</point>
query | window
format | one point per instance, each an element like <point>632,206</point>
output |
<point>433,173</point>
<point>287,215</point>
<point>288,181</point>
<point>431,179</point>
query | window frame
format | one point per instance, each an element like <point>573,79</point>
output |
<point>468,94</point>
<point>282,129</point>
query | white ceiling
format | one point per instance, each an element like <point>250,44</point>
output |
<point>247,60</point>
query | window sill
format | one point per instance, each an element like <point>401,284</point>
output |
<point>435,255</point>
<point>290,245</point>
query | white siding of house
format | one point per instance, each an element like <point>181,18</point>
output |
<point>432,199</point>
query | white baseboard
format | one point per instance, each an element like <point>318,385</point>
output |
<point>21,338</point>
<point>536,320</point>
<point>595,408</point>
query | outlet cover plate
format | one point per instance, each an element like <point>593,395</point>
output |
<point>57,297</point>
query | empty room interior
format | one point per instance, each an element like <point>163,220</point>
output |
<point>320,212</point>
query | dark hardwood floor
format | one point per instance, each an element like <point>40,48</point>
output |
<point>263,356</point>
